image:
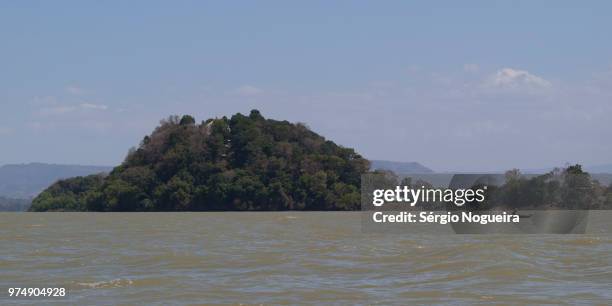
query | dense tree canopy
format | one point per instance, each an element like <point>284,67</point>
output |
<point>67,195</point>
<point>569,188</point>
<point>240,163</point>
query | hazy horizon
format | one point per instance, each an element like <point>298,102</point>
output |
<point>84,82</point>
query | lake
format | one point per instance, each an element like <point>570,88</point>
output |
<point>287,258</point>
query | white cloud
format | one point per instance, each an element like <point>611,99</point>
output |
<point>56,110</point>
<point>75,90</point>
<point>248,91</point>
<point>93,106</point>
<point>482,128</point>
<point>65,109</point>
<point>472,68</point>
<point>35,125</point>
<point>44,100</point>
<point>509,78</point>
<point>4,131</point>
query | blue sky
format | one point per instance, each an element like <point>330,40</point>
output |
<point>468,86</point>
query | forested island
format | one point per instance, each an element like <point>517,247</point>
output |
<point>242,163</point>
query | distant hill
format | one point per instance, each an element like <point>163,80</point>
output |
<point>25,181</point>
<point>602,169</point>
<point>400,167</point>
<point>599,169</point>
<point>604,178</point>
<point>7,204</point>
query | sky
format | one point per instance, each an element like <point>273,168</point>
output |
<point>456,86</point>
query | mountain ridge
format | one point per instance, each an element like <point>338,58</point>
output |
<point>26,180</point>
<point>400,167</point>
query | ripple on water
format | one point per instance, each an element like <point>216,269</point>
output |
<point>114,283</point>
<point>229,258</point>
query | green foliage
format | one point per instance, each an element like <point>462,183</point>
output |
<point>569,188</point>
<point>187,120</point>
<point>67,195</point>
<point>240,163</point>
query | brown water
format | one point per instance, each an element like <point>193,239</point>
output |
<point>287,258</point>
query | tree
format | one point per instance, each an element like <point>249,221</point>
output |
<point>187,120</point>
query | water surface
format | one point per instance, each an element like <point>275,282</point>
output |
<point>289,257</point>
